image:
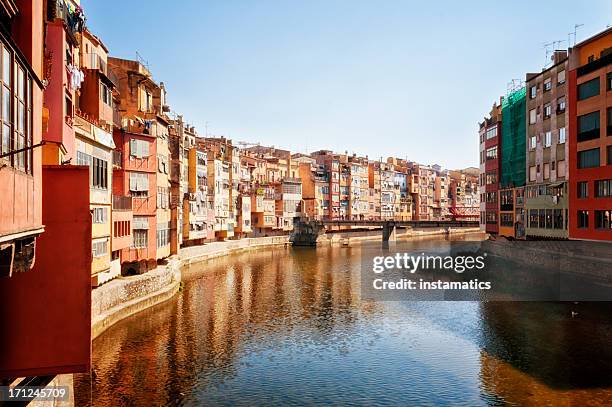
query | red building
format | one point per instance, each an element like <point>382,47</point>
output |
<point>21,74</point>
<point>590,138</point>
<point>134,175</point>
<point>56,292</point>
<point>490,162</point>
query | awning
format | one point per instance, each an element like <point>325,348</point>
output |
<point>557,184</point>
<point>103,137</point>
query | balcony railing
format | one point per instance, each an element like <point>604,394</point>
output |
<point>122,203</point>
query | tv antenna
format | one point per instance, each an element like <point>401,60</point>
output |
<point>569,35</point>
<point>143,61</point>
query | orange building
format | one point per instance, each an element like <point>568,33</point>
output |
<point>136,163</point>
<point>590,138</point>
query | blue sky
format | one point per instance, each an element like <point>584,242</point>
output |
<point>409,79</point>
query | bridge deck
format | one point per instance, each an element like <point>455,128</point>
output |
<point>410,223</point>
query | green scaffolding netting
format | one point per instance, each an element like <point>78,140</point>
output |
<point>513,140</point>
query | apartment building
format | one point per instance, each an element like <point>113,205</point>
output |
<point>135,173</point>
<point>222,159</point>
<point>590,138</point>
<point>512,172</point>
<point>93,128</point>
<point>21,43</point>
<point>315,188</point>
<point>329,167</point>
<point>490,164</point>
<point>198,213</point>
<point>464,194</point>
<point>546,194</point>
<point>359,205</point>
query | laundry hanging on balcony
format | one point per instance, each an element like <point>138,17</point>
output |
<point>75,77</point>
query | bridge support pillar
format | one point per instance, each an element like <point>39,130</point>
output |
<point>388,233</point>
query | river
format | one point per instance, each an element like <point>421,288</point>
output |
<point>287,326</point>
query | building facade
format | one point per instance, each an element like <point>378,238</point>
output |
<point>590,138</point>
<point>546,194</point>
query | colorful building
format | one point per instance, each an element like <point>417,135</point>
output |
<point>590,138</point>
<point>135,172</point>
<point>546,196</point>
<point>490,167</point>
<point>21,43</point>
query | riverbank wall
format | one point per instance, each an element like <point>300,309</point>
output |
<point>126,296</point>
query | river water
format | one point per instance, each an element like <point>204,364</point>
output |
<point>287,326</point>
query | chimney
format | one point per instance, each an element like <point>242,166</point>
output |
<point>558,56</point>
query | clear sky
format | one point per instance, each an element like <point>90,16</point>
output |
<point>404,78</point>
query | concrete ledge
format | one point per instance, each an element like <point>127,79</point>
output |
<point>127,296</point>
<point>209,251</point>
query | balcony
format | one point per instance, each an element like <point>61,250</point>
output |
<point>122,203</point>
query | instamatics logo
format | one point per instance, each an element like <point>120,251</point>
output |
<point>405,262</point>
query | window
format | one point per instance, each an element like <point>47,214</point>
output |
<point>16,110</point>
<point>603,188</point>
<point>491,132</point>
<point>609,81</point>
<point>557,219</point>
<point>163,235</point>
<point>603,219</point>
<point>548,139</point>
<point>561,105</point>
<point>533,218</point>
<point>546,171</point>
<point>549,219</point>
<point>561,77</point>
<point>491,153</point>
<point>542,218</point>
<point>100,215</point>
<point>163,198</point>
<point>139,148</point>
<point>491,178</point>
<point>532,116</point>
<point>491,218</point>
<point>547,110</point>
<point>99,174</point>
<point>547,84</point>
<point>148,101</point>
<point>609,122</point>
<point>588,158</point>
<point>533,92</point>
<point>588,89</point>
<point>506,219</point>
<point>562,135</point>
<point>139,182</point>
<point>99,248</point>
<point>533,142</point>
<point>140,238</point>
<point>583,219</point>
<point>583,189</point>
<point>106,95</point>
<point>532,173</point>
<point>561,169</point>
<point>609,155</point>
<point>588,126</point>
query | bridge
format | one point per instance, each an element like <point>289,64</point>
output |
<point>306,231</point>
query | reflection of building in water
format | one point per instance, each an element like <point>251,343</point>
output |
<point>537,354</point>
<point>227,306</point>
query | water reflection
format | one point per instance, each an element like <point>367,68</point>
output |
<point>287,326</point>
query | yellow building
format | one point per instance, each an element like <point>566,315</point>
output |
<point>94,148</point>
